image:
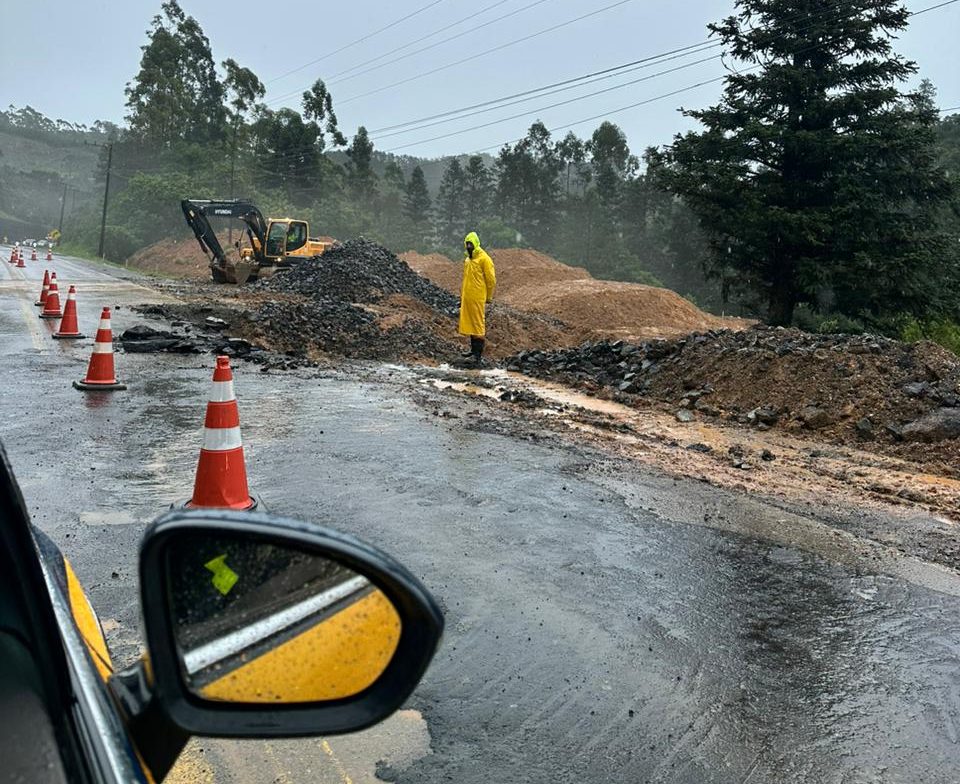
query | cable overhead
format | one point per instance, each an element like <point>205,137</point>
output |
<point>560,103</point>
<point>646,60</point>
<point>653,57</point>
<point>646,101</point>
<point>444,29</point>
<point>555,105</point>
<point>360,40</point>
<point>418,40</point>
<point>623,68</point>
<point>489,51</point>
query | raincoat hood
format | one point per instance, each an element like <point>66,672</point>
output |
<point>473,238</point>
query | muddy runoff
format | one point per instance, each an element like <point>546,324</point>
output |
<point>768,463</point>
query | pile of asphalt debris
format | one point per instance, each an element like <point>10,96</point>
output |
<point>209,338</point>
<point>331,307</point>
<point>337,313</point>
<point>358,271</point>
<point>853,387</point>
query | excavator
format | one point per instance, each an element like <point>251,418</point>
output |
<point>275,243</point>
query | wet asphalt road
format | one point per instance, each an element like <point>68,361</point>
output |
<point>604,623</point>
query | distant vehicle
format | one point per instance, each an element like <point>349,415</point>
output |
<point>256,627</point>
<point>29,243</point>
<point>275,244</point>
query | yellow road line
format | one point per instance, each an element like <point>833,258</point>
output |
<point>344,777</point>
<point>33,326</point>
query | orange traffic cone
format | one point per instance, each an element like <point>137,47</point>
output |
<point>43,291</point>
<point>69,328</point>
<point>13,255</point>
<point>100,372</point>
<point>20,262</point>
<point>49,254</point>
<point>33,255</point>
<point>51,306</point>
<point>221,481</point>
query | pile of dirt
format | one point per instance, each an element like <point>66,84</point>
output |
<point>610,309</point>
<point>518,268</point>
<point>436,268</point>
<point>174,259</point>
<point>899,398</point>
<point>535,282</point>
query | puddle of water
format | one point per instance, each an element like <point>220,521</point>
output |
<point>553,393</point>
<point>464,388</point>
<point>107,518</point>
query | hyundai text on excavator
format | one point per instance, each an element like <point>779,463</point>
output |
<point>275,244</point>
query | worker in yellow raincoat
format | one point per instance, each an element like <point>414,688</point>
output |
<point>479,284</point>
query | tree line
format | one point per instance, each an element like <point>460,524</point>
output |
<point>817,190</point>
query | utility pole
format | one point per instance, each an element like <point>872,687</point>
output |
<point>233,169</point>
<point>63,204</point>
<point>106,194</point>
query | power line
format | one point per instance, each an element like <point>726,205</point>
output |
<point>335,77</point>
<point>652,59</point>
<point>625,68</point>
<point>645,62</point>
<point>358,41</point>
<point>555,105</point>
<point>488,52</point>
<point>418,40</point>
<point>605,73</point>
<point>658,97</point>
<point>949,109</point>
<point>559,103</point>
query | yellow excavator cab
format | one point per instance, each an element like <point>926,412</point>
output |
<point>291,237</point>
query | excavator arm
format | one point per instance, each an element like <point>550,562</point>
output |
<point>198,212</point>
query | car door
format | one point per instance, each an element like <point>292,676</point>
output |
<point>57,722</point>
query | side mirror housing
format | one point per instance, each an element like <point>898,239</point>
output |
<point>261,626</point>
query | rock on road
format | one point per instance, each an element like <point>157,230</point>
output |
<point>604,622</point>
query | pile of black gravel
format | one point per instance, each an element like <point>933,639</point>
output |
<point>858,386</point>
<point>338,327</point>
<point>361,271</point>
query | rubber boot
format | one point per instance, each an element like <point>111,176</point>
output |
<point>473,348</point>
<point>478,351</point>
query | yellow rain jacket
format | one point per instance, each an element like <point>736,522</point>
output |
<point>479,284</point>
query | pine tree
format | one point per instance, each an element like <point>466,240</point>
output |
<point>611,161</point>
<point>815,177</point>
<point>361,178</point>
<point>477,192</point>
<point>416,209</point>
<point>450,207</point>
<point>391,223</point>
<point>528,185</point>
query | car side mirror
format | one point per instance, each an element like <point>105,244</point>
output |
<point>261,626</point>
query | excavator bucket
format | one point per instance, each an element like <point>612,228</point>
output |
<point>239,271</point>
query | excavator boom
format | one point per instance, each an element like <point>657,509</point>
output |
<point>198,212</point>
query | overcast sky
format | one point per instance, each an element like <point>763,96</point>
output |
<point>71,60</point>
